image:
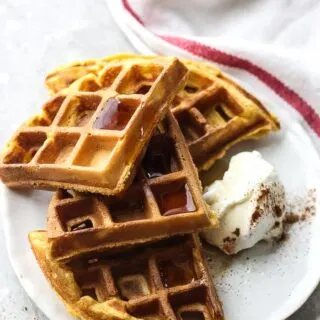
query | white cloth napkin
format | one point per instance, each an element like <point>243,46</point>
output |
<point>270,46</point>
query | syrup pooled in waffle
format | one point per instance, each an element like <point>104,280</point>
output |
<point>166,280</point>
<point>163,200</point>
<point>213,111</point>
<point>92,141</point>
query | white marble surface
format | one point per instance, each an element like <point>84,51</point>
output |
<point>36,36</point>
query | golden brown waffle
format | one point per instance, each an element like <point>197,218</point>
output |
<point>164,199</point>
<point>92,141</point>
<point>213,111</point>
<point>168,280</point>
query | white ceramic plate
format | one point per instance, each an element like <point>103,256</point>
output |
<point>265,283</point>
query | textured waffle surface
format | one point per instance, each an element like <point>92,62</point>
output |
<point>91,139</point>
<point>213,111</point>
<point>164,199</point>
<point>167,280</point>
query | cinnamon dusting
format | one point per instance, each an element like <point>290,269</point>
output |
<point>256,215</point>
<point>278,212</point>
<point>236,232</point>
<point>291,218</point>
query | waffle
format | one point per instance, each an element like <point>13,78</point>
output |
<point>163,200</point>
<point>91,140</point>
<point>213,111</point>
<point>168,280</point>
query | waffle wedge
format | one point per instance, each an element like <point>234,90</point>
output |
<point>91,140</point>
<point>168,280</point>
<point>164,199</point>
<point>213,111</point>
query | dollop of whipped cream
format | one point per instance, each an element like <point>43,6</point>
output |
<point>249,202</point>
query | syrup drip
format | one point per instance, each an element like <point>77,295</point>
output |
<point>113,116</point>
<point>159,159</point>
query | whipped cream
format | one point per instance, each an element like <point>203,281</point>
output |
<point>249,202</point>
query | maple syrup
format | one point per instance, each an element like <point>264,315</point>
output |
<point>160,158</point>
<point>114,116</point>
<point>174,198</point>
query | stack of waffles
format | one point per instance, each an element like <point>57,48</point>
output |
<point>122,140</point>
